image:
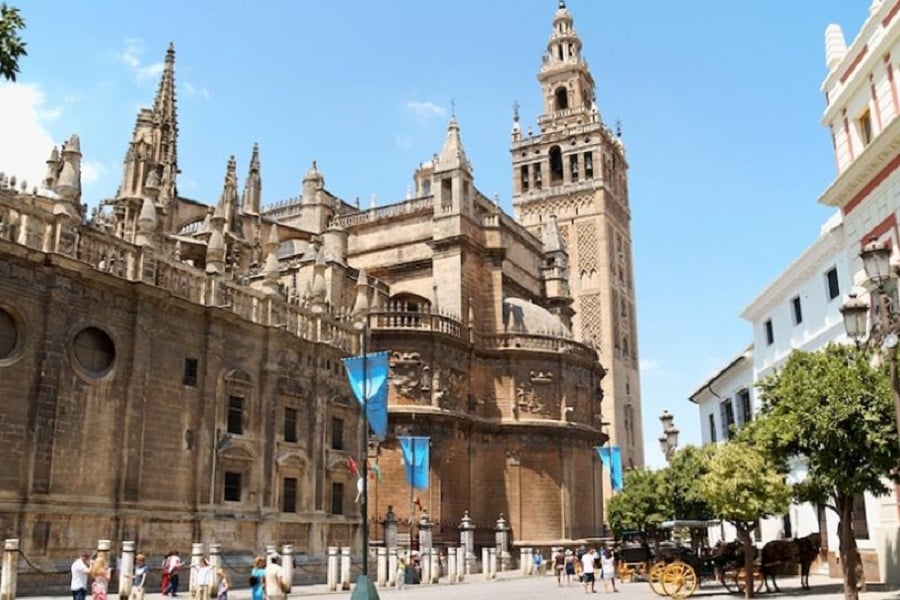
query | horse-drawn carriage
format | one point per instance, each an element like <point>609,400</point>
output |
<point>677,570</point>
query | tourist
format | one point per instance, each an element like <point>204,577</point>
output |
<point>258,579</point>
<point>139,578</point>
<point>81,568</point>
<point>558,565</point>
<point>205,574</point>
<point>538,563</point>
<point>608,570</point>
<point>100,575</point>
<point>275,584</point>
<point>587,570</point>
<point>173,566</point>
<point>570,566</point>
<point>401,572</point>
<point>223,585</point>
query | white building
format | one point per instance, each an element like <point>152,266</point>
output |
<point>800,309</point>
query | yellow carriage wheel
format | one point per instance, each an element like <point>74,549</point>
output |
<point>679,580</point>
<point>655,578</point>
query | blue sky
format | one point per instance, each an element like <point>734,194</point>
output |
<point>719,104</point>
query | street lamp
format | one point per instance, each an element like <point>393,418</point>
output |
<point>885,328</point>
<point>668,441</point>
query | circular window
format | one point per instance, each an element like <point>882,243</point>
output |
<point>9,335</point>
<point>94,351</point>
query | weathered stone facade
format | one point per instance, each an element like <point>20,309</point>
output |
<point>170,371</point>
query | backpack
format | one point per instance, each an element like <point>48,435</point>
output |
<point>253,580</point>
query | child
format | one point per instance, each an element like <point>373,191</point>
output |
<point>401,573</point>
<point>223,586</point>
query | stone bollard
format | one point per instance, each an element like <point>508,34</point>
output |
<point>9,569</point>
<point>501,539</point>
<point>345,568</point>
<point>485,563</point>
<point>381,566</point>
<point>467,538</point>
<point>463,565</point>
<point>392,566</point>
<point>390,528</point>
<point>492,560</point>
<point>196,555</point>
<point>452,569</point>
<point>331,570</point>
<point>523,559</point>
<point>435,566</point>
<point>287,565</point>
<point>425,564</point>
<point>270,550</point>
<point>126,570</point>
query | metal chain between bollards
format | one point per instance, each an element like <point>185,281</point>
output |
<point>234,569</point>
<point>31,564</point>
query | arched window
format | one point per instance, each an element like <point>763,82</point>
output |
<point>556,165</point>
<point>562,98</point>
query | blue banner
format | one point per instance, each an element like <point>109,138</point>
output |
<point>415,459</point>
<point>611,457</point>
<point>368,376</point>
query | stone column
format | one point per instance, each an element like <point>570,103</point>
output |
<point>492,560</point>
<point>9,570</point>
<point>196,554</point>
<point>390,528</point>
<point>270,550</point>
<point>381,566</point>
<point>287,564</point>
<point>501,537</point>
<point>463,565</point>
<point>392,566</point>
<point>435,566</point>
<point>345,567</point>
<point>485,563</point>
<point>467,538</point>
<point>331,569</point>
<point>424,533</point>
<point>523,560</point>
<point>425,562</point>
<point>126,570</point>
<point>452,573</point>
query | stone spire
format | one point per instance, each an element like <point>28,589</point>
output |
<point>551,237</point>
<point>215,247</point>
<point>147,222</point>
<point>452,155</point>
<point>166,124</point>
<point>361,304</point>
<point>319,289</point>
<point>54,164</point>
<point>271,269</point>
<point>228,201</point>
<point>564,70</point>
<point>250,202</point>
<point>68,186</point>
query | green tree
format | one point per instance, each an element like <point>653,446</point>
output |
<point>641,505</point>
<point>683,477</point>
<point>833,409</point>
<point>11,45</point>
<point>742,486</point>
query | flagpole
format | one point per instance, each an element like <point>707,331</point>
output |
<point>365,449</point>
<point>412,470</point>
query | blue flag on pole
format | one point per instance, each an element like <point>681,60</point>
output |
<point>415,459</point>
<point>368,376</point>
<point>611,457</point>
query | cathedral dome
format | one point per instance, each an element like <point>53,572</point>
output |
<point>521,316</point>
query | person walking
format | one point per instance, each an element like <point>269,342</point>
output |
<point>173,566</point>
<point>275,585</point>
<point>570,566</point>
<point>608,570</point>
<point>538,563</point>
<point>401,572</point>
<point>139,578</point>
<point>81,568</point>
<point>558,565</point>
<point>258,579</point>
<point>100,578</point>
<point>587,571</point>
<point>222,585</point>
<point>205,574</point>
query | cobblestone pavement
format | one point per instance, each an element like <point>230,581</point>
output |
<point>514,586</point>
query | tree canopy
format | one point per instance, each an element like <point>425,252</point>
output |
<point>641,505</point>
<point>11,45</point>
<point>833,409</point>
<point>683,476</point>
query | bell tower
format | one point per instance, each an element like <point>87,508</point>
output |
<point>573,172</point>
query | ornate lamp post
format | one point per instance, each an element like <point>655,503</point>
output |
<point>885,328</point>
<point>668,441</point>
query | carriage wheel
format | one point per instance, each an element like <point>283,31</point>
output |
<point>740,580</point>
<point>679,580</point>
<point>655,578</point>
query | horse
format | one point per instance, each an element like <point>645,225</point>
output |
<point>803,550</point>
<point>729,554</point>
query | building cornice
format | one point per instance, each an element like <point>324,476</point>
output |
<point>745,354</point>
<point>851,186</point>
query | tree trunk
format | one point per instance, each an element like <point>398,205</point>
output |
<point>744,535</point>
<point>847,546</point>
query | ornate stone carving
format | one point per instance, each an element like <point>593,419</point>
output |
<point>541,377</point>
<point>527,400</point>
<point>410,376</point>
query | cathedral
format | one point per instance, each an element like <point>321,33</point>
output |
<point>172,370</point>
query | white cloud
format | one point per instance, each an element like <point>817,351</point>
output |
<point>25,143</point>
<point>426,111</point>
<point>191,90</point>
<point>648,365</point>
<point>131,57</point>
<point>91,171</point>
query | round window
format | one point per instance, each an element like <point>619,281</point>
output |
<point>94,351</point>
<point>9,335</point>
